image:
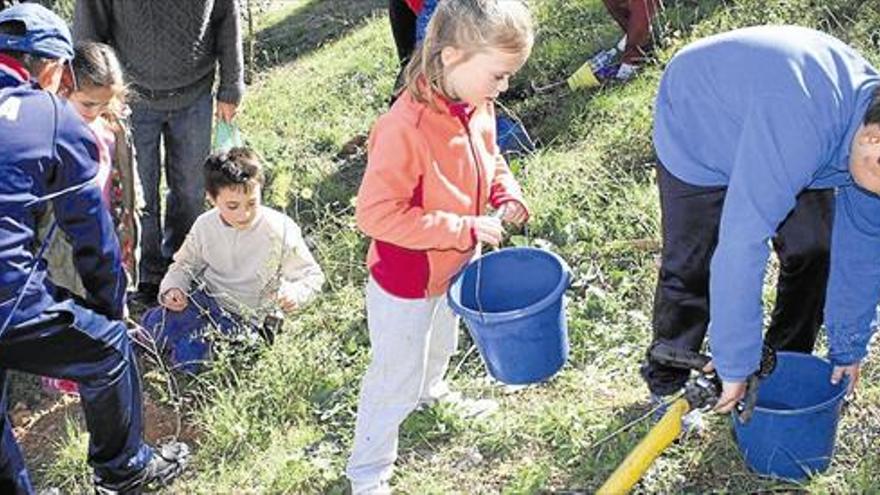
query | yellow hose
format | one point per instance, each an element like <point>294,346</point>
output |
<point>639,460</point>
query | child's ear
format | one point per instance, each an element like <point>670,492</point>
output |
<point>210,199</point>
<point>450,55</point>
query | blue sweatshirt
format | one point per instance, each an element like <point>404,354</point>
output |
<point>770,111</point>
<point>49,155</point>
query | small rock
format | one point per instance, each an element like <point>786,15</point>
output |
<point>470,458</point>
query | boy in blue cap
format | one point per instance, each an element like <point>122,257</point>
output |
<point>47,154</point>
<point>764,134</point>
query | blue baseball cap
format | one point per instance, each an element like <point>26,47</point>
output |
<point>46,35</point>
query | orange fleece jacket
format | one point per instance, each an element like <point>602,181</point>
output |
<point>429,174</point>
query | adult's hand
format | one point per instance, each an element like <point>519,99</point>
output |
<point>731,393</point>
<point>852,371</point>
<point>226,111</point>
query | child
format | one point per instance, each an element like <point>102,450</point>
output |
<point>96,88</point>
<point>409,24</point>
<point>239,262</point>
<point>433,169</point>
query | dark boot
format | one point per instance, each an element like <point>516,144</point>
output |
<point>167,464</point>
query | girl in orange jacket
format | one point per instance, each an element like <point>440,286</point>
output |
<point>433,171</point>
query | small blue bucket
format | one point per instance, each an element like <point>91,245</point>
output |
<point>519,322</point>
<point>792,433</point>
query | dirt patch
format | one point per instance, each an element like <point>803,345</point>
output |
<point>163,423</point>
<point>39,427</point>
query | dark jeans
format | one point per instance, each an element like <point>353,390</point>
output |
<point>71,342</point>
<point>186,136</point>
<point>690,219</point>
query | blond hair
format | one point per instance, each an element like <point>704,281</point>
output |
<point>472,26</point>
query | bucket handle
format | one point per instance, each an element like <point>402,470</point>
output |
<point>499,213</point>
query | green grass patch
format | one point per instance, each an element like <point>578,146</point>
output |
<point>283,421</point>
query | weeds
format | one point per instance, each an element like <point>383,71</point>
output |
<point>283,423</point>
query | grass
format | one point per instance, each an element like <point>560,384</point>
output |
<point>283,423</point>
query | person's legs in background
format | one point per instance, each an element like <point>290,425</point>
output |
<point>147,129</point>
<point>187,144</point>
<point>639,33</point>
<point>403,28</point>
<point>635,18</point>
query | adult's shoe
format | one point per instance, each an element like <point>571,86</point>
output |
<point>167,463</point>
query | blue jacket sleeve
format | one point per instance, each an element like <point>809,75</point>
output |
<point>82,215</point>
<point>424,18</point>
<point>854,281</point>
<point>778,151</point>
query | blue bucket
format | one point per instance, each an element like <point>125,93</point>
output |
<point>792,433</point>
<point>519,323</point>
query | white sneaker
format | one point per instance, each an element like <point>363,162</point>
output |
<point>626,72</point>
<point>469,408</point>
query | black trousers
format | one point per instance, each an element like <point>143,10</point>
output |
<point>690,219</point>
<point>403,28</point>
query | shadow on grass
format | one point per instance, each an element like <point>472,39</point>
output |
<point>310,27</point>
<point>335,193</point>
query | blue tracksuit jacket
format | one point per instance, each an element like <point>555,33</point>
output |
<point>48,154</point>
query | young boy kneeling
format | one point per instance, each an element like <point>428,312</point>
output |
<point>239,262</point>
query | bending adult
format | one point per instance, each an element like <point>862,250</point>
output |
<point>764,135</point>
<point>49,156</point>
<point>170,51</point>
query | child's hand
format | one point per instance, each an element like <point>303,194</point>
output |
<point>174,299</point>
<point>489,230</point>
<point>286,301</point>
<point>514,212</point>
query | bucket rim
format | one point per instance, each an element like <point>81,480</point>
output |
<point>497,316</point>
<point>826,404</point>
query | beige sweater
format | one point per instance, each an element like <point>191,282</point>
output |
<point>245,269</point>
